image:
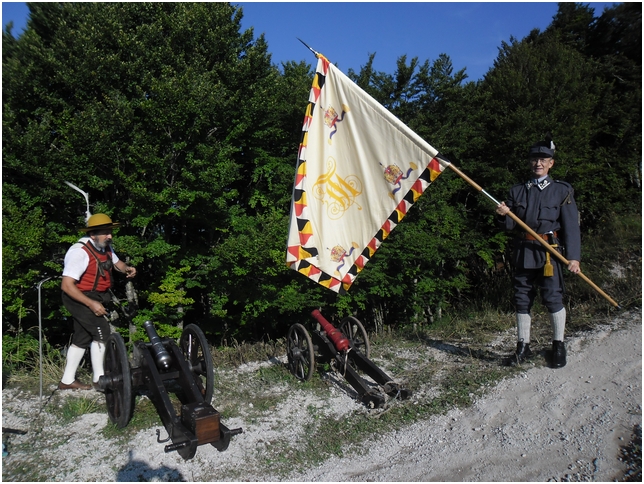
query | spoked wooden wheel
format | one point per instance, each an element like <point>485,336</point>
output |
<point>357,335</point>
<point>301,358</point>
<point>118,381</point>
<point>196,350</point>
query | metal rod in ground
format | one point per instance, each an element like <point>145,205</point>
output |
<point>40,331</point>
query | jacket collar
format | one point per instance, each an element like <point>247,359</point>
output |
<point>541,185</point>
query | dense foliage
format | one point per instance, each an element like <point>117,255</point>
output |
<point>179,126</point>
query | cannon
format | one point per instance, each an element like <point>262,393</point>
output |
<point>158,368</point>
<point>347,349</point>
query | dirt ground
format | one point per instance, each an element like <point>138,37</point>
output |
<point>546,425</point>
<point>567,424</point>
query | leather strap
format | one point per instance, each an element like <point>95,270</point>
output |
<point>528,236</point>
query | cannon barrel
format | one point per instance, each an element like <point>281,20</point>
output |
<point>340,342</point>
<point>161,355</point>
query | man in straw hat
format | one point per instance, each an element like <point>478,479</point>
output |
<point>87,278</point>
<point>548,207</point>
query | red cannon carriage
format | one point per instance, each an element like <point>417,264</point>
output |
<point>347,348</point>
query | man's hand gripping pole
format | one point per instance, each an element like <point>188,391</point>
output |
<point>525,227</point>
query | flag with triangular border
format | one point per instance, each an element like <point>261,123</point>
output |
<point>359,170</point>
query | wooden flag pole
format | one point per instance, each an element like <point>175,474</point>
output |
<point>522,224</point>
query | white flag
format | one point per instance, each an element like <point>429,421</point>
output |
<point>359,170</point>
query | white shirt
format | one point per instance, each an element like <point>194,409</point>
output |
<point>77,259</point>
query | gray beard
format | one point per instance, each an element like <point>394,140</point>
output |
<point>100,245</point>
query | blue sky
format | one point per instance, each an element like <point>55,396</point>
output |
<point>470,33</point>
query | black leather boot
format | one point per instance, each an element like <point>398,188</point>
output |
<point>558,354</point>
<point>523,352</point>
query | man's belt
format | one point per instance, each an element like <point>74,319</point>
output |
<point>548,269</point>
<point>528,236</point>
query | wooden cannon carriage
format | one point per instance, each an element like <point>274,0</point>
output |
<point>159,367</point>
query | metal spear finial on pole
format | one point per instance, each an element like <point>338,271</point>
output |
<point>525,227</point>
<point>317,54</point>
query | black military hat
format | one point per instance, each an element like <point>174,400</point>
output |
<point>543,148</point>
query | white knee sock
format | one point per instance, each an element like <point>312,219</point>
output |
<point>558,321</point>
<point>97,351</point>
<point>523,327</point>
<point>74,357</point>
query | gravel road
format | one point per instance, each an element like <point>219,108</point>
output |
<point>543,425</point>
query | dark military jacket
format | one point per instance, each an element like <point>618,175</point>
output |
<point>547,207</point>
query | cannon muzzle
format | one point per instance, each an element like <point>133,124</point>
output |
<point>340,342</point>
<point>161,355</point>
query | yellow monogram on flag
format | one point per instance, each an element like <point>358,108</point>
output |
<point>338,193</point>
<point>341,214</point>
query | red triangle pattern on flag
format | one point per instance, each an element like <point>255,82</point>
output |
<point>302,257</point>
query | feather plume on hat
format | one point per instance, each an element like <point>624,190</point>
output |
<point>543,148</point>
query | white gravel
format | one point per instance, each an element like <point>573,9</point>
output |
<point>546,425</point>
<point>543,425</point>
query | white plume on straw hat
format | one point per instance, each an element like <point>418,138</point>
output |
<point>88,214</point>
<point>98,220</point>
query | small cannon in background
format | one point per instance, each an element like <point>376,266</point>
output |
<point>347,348</point>
<point>160,365</point>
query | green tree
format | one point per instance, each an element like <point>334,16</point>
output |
<point>176,123</point>
<point>557,82</point>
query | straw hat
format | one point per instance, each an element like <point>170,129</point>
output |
<point>99,221</point>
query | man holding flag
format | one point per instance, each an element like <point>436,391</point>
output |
<point>548,207</point>
<point>359,171</point>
